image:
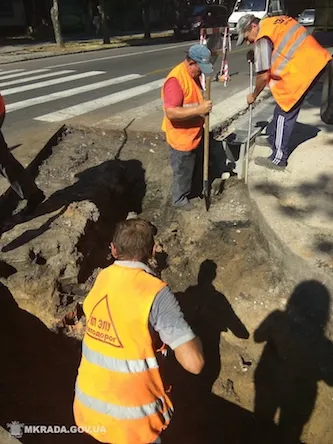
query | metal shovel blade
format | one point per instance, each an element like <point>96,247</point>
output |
<point>14,185</point>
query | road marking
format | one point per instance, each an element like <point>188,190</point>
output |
<point>83,75</point>
<point>93,105</point>
<point>69,92</point>
<point>41,76</point>
<point>21,74</point>
<point>131,54</point>
<point>13,70</point>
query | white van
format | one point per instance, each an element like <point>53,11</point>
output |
<point>259,8</point>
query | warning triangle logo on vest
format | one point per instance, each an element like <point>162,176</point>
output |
<point>100,325</point>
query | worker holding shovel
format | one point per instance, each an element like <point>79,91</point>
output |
<point>184,118</point>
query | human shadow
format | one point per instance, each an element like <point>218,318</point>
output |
<point>37,375</point>
<point>116,187</point>
<point>297,355</point>
<point>209,313</point>
<point>201,416</point>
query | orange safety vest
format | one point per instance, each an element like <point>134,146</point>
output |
<point>297,59</point>
<point>184,135</point>
<point>119,394</point>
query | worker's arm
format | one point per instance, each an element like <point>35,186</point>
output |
<point>173,103</point>
<point>190,356</point>
<point>185,113</point>
<point>262,81</point>
<point>168,321</point>
<point>263,60</point>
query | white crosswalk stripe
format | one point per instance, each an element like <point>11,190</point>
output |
<point>59,86</point>
<point>83,75</point>
<point>39,77</point>
<point>69,92</point>
<point>20,74</point>
<point>11,71</point>
<point>92,105</point>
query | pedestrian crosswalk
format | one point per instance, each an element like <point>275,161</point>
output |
<point>55,95</point>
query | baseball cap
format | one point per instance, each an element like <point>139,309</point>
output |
<point>243,23</point>
<point>201,54</point>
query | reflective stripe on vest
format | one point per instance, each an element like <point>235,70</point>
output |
<point>300,39</point>
<point>121,412</point>
<point>118,365</point>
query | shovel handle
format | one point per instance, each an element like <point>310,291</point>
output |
<point>206,132</point>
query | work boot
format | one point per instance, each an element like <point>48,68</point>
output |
<point>187,207</point>
<point>267,163</point>
<point>263,141</point>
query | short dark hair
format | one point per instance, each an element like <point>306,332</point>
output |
<point>134,239</point>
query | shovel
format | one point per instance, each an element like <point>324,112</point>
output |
<point>206,150</point>
<point>250,59</point>
<point>14,185</point>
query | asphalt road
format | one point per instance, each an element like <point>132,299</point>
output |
<point>104,82</point>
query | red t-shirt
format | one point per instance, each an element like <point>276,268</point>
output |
<point>173,93</point>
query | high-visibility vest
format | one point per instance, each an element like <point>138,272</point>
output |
<point>297,59</point>
<point>119,394</point>
<point>184,135</point>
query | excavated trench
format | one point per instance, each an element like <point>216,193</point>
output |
<point>265,346</point>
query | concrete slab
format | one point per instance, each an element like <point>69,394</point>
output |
<point>294,207</point>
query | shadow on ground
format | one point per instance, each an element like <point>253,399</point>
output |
<point>297,355</point>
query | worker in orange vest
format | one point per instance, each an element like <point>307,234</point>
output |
<point>12,170</point>
<point>120,397</point>
<point>290,61</point>
<point>184,111</point>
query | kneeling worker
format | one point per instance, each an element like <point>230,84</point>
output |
<point>119,387</point>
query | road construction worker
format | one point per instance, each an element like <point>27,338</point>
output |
<point>14,172</point>
<point>290,61</point>
<point>184,111</point>
<point>120,396</point>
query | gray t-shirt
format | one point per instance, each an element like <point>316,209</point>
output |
<point>263,49</point>
<point>166,317</point>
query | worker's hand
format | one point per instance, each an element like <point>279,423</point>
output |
<point>250,99</point>
<point>205,107</point>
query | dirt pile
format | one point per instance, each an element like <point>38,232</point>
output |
<point>233,294</point>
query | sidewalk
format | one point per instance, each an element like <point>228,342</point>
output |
<point>295,207</point>
<point>38,50</point>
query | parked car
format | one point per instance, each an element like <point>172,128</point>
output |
<point>307,17</point>
<point>200,16</point>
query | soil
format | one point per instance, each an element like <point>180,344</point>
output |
<point>268,360</point>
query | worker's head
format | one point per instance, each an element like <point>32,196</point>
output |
<point>133,240</point>
<point>247,29</point>
<point>198,60</point>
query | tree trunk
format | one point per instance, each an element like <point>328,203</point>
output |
<point>104,23</point>
<point>56,24</point>
<point>146,18</point>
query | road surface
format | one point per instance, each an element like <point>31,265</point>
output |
<point>106,83</point>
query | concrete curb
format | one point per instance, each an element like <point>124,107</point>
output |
<point>297,265</point>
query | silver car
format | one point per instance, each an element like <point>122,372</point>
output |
<point>307,18</point>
